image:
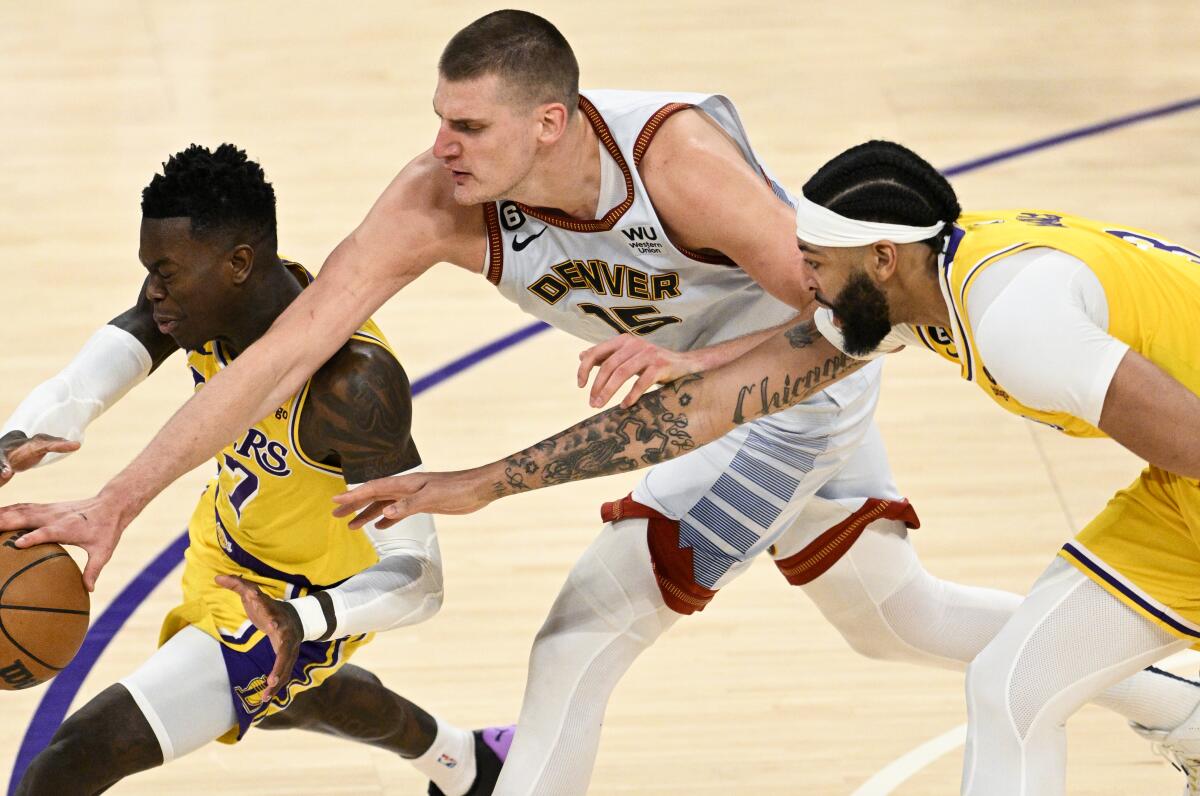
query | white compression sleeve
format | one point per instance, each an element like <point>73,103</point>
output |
<point>110,364</point>
<point>1046,301</point>
<point>404,588</point>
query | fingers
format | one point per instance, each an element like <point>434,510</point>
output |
<point>236,584</point>
<point>20,516</point>
<point>369,514</point>
<point>30,453</point>
<point>612,374</point>
<point>644,382</point>
<point>40,536</point>
<point>645,364</point>
<point>95,563</point>
<point>591,357</point>
<point>399,510</point>
<point>285,659</point>
<point>383,490</point>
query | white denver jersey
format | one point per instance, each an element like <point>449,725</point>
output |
<point>620,273</point>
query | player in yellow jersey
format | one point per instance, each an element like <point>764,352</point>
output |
<point>1089,327</point>
<point>301,591</point>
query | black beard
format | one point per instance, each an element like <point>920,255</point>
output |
<point>863,311</point>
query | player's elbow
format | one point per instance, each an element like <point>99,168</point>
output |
<point>430,592</point>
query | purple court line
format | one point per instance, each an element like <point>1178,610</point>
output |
<point>62,689</point>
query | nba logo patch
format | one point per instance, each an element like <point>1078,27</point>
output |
<point>251,695</point>
<point>447,761</point>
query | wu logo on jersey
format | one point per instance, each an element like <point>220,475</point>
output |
<point>643,240</point>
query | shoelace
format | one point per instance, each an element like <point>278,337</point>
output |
<point>1188,766</point>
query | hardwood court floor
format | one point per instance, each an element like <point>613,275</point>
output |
<point>758,694</point>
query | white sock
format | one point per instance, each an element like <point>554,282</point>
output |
<point>450,761</point>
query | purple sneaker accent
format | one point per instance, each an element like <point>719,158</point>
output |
<point>499,739</point>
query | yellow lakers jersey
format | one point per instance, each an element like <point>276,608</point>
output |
<point>268,509</point>
<point>1152,288</point>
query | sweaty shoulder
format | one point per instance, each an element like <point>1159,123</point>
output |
<point>419,207</point>
<point>358,414</point>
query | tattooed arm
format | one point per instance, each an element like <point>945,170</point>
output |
<point>358,415</point>
<point>683,415</point>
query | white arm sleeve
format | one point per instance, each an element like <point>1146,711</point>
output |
<point>404,588</point>
<point>110,364</point>
<point>899,337</point>
<point>1040,320</point>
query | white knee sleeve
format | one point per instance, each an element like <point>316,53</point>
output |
<point>183,691</point>
<point>606,614</point>
<point>887,606</point>
<point>1069,640</point>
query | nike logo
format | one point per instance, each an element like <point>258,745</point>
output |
<point>519,244</point>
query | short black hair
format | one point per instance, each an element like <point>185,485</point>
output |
<point>885,182</point>
<point>520,47</point>
<point>221,191</point>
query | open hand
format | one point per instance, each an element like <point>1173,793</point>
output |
<point>401,496</point>
<point>278,620</point>
<point>95,524</point>
<point>620,359</point>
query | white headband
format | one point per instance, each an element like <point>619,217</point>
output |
<point>821,226</point>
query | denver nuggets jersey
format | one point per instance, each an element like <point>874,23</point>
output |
<point>1152,288</point>
<point>267,513</point>
<point>620,273</point>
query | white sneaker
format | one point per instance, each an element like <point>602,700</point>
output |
<point>1181,748</point>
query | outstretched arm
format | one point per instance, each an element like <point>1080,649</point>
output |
<point>412,226</point>
<point>662,424</point>
<point>51,421</point>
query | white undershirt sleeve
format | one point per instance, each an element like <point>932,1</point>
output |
<point>1040,321</point>
<point>110,364</point>
<point>404,588</point>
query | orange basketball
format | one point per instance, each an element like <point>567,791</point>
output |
<point>43,612</point>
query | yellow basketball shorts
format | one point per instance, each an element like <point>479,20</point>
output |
<point>247,651</point>
<point>1144,549</point>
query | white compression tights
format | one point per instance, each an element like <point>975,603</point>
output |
<point>888,606</point>
<point>1069,640</point>
<point>606,614</point>
<point>878,596</point>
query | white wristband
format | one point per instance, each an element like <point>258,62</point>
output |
<point>312,617</point>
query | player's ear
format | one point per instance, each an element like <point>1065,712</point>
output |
<point>882,262</point>
<point>241,263</point>
<point>553,118</point>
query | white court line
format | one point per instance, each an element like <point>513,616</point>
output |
<point>905,767</point>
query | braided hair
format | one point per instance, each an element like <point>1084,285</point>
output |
<point>885,182</point>
<point>220,191</point>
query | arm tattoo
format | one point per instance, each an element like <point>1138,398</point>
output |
<point>359,414</point>
<point>763,398</point>
<point>651,431</point>
<point>802,335</point>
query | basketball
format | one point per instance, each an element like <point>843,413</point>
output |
<point>43,612</point>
